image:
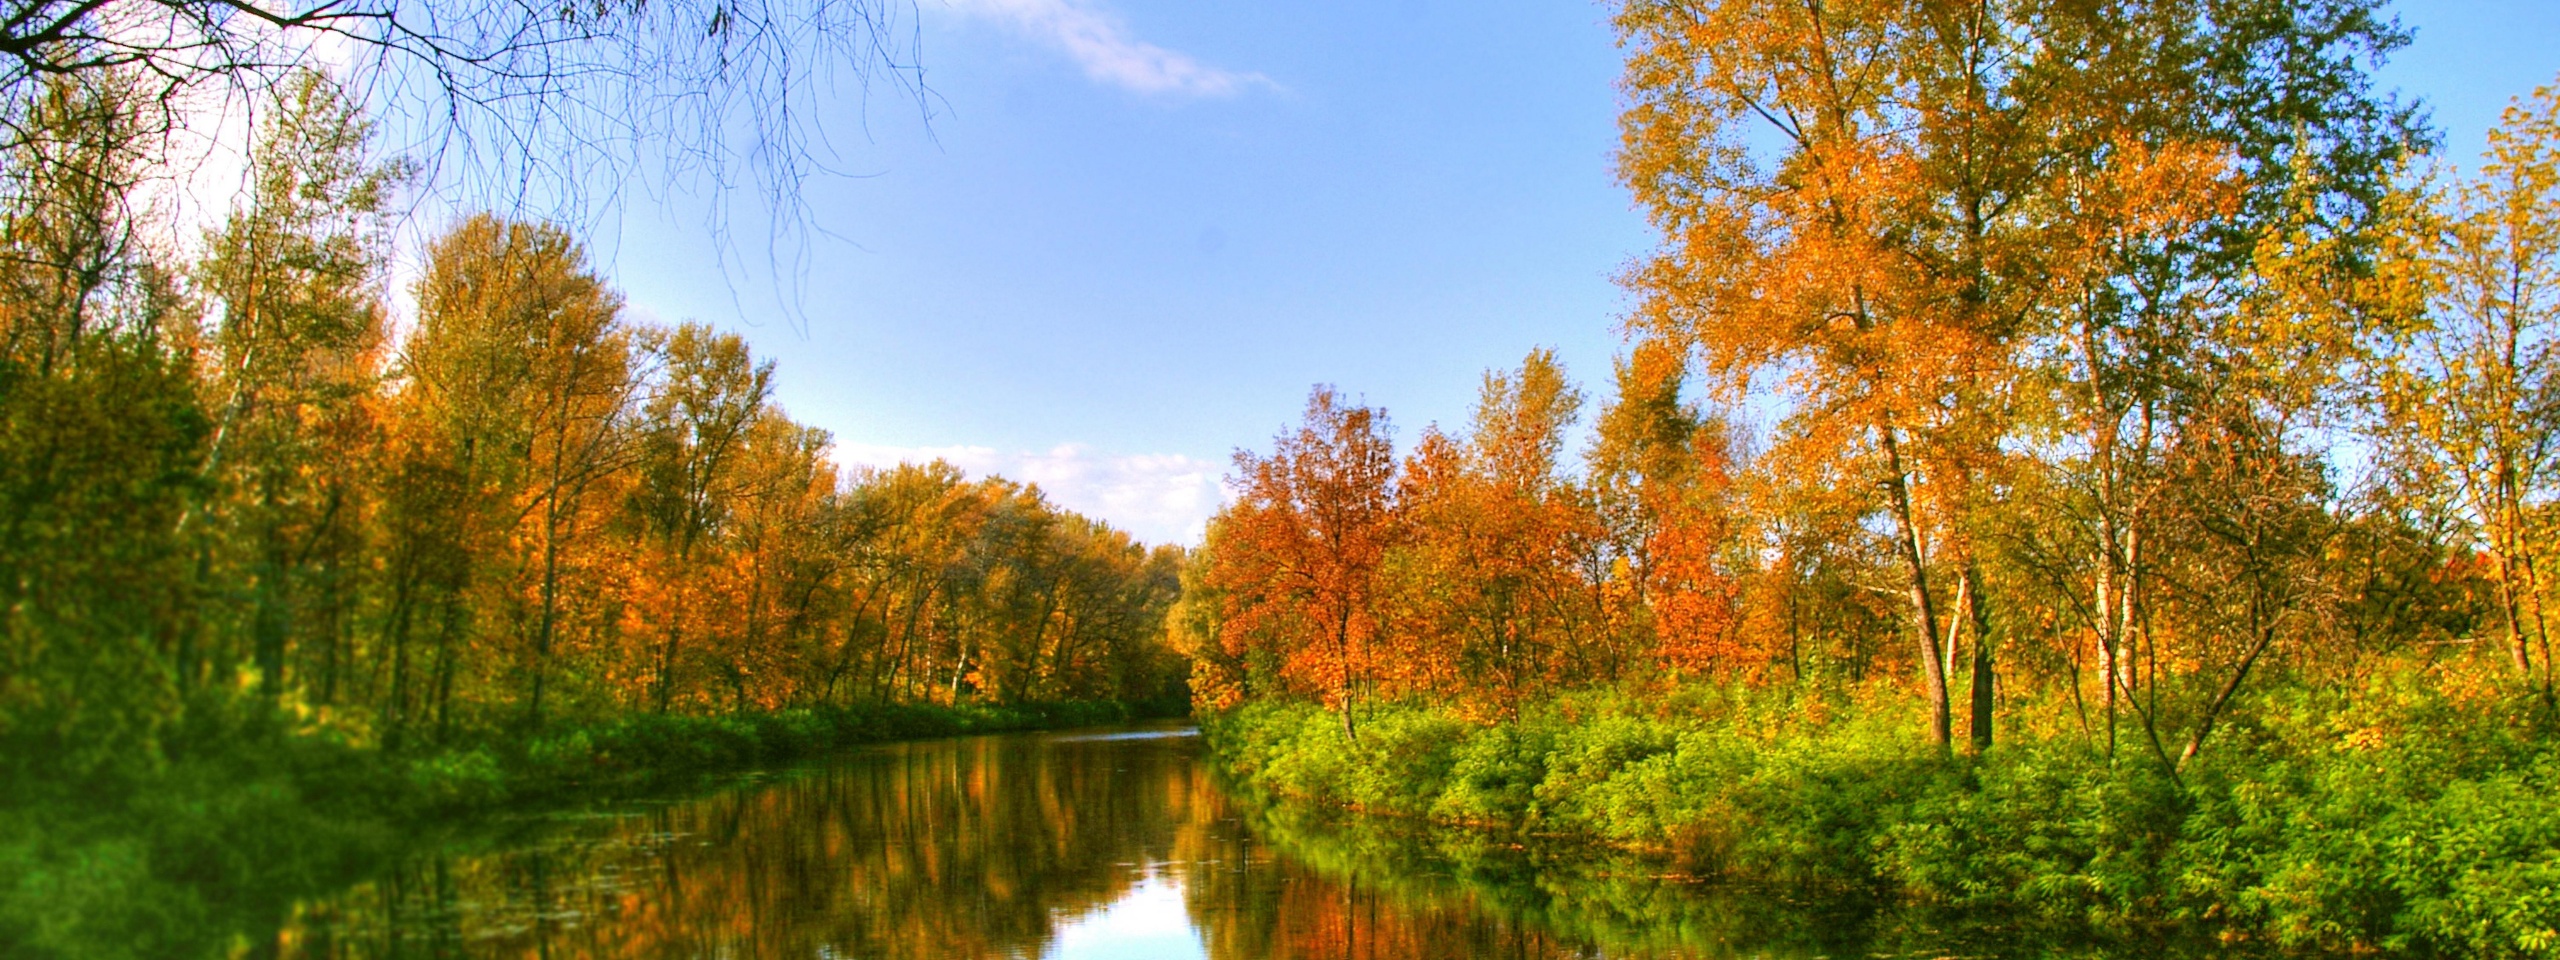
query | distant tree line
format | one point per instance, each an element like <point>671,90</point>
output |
<point>245,480</point>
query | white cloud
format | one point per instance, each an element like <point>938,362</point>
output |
<point>1100,43</point>
<point>1150,920</point>
<point>1158,498</point>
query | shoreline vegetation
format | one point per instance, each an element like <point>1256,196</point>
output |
<point>2089,467</point>
<point>2401,817</point>
<point>249,814</point>
<point>288,569</point>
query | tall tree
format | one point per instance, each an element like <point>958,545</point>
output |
<point>1300,550</point>
<point>562,364</point>
<point>517,392</point>
<point>2472,404</point>
<point>786,505</point>
<point>693,434</point>
<point>297,273</point>
<point>1491,579</point>
<point>1883,210</point>
<point>101,435</point>
<point>1873,260</point>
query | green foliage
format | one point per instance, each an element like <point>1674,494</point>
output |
<point>82,902</point>
<point>1493,775</point>
<point>458,778</point>
<point>2401,816</point>
<point>101,431</point>
<point>251,810</point>
<point>93,480</point>
<point>2089,848</point>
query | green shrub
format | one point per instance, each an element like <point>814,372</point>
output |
<point>1585,758</point>
<point>2397,817</point>
<point>1494,775</point>
<point>458,779</point>
<point>1308,755</point>
<point>1403,758</point>
<point>2479,868</point>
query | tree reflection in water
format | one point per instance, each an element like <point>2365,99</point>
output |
<point>1016,847</point>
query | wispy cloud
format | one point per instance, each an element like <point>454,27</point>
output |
<point>1100,43</point>
<point>1158,498</point>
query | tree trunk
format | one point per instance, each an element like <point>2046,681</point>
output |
<point>403,606</point>
<point>550,608</point>
<point>445,637</point>
<point>667,665</point>
<point>267,628</point>
<point>1342,647</point>
<point>1977,611</point>
<point>2511,605</point>
<point>1924,610</point>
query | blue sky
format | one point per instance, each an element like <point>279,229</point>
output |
<point>1133,233</point>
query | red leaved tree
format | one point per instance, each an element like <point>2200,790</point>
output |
<point>1299,550</point>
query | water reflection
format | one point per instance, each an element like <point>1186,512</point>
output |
<point>1085,847</point>
<point>1148,921</point>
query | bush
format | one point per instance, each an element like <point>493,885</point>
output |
<point>2407,816</point>
<point>458,780</point>
<point>1494,775</point>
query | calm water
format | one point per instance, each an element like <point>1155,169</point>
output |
<point>1034,846</point>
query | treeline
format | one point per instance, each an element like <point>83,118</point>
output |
<point>246,478</point>
<point>2085,369</point>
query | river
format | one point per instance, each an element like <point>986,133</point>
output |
<point>1066,846</point>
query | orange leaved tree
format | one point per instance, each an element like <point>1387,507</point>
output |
<point>1299,551</point>
<point>1898,213</point>
<point>1493,582</point>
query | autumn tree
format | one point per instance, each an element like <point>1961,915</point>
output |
<point>1641,446</point>
<point>2471,405</point>
<point>1219,677</point>
<point>2189,317</point>
<point>1888,213</point>
<point>1016,572</point>
<point>692,437</point>
<point>581,402</point>
<point>297,273</point>
<point>1493,584</point>
<point>547,398</point>
<point>1301,547</point>
<point>930,517</point>
<point>1664,486</point>
<point>1870,260</point>
<point>783,558</point>
<point>102,434</point>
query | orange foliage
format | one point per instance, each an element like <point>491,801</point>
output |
<point>1301,548</point>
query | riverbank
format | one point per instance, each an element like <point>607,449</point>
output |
<point>1623,902</point>
<point>248,812</point>
<point>2413,815</point>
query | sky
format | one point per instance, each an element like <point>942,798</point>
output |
<point>1117,240</point>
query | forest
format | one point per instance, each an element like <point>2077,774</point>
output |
<point>277,545</point>
<point>2093,462</point>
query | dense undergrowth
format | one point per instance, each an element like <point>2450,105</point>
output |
<point>2400,817</point>
<point>247,812</point>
